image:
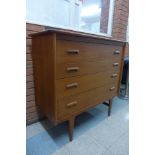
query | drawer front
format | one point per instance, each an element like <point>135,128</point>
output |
<point>83,68</point>
<point>70,51</point>
<point>78,84</point>
<point>75,104</point>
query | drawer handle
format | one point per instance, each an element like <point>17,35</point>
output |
<point>72,104</point>
<point>72,69</point>
<point>115,64</point>
<point>73,51</point>
<point>72,85</point>
<point>117,52</point>
<point>114,75</point>
<point>112,88</point>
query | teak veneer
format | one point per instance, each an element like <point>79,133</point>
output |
<point>75,71</point>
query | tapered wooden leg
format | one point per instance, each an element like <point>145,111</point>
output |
<point>109,107</point>
<point>71,128</point>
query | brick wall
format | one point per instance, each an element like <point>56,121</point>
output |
<point>120,22</point>
<point>32,110</point>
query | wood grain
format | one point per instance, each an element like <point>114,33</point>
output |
<point>43,61</point>
<point>87,67</point>
<point>87,51</point>
<point>84,101</point>
<point>73,73</point>
<point>84,83</point>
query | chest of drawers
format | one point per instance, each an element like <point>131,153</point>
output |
<point>73,72</point>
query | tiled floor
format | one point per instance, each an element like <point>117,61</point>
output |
<point>44,139</point>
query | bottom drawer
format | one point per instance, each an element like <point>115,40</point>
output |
<point>75,104</point>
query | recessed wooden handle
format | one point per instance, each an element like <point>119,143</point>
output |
<point>71,104</point>
<point>69,69</point>
<point>115,64</point>
<point>72,85</point>
<point>73,51</point>
<point>116,52</point>
<point>114,75</point>
<point>112,88</point>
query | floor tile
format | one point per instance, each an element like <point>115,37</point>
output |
<point>121,147</point>
<point>37,128</point>
<point>104,135</point>
<point>85,146</point>
<point>62,151</point>
<point>41,144</point>
<point>108,152</point>
<point>118,122</point>
<point>44,139</point>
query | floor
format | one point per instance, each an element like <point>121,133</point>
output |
<point>92,129</point>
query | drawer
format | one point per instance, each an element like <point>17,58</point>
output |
<point>75,104</point>
<point>83,68</point>
<point>70,51</point>
<point>78,84</point>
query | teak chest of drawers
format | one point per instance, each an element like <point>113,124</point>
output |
<point>73,72</point>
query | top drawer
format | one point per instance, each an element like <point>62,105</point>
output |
<point>71,51</point>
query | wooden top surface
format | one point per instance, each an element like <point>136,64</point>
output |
<point>74,33</point>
